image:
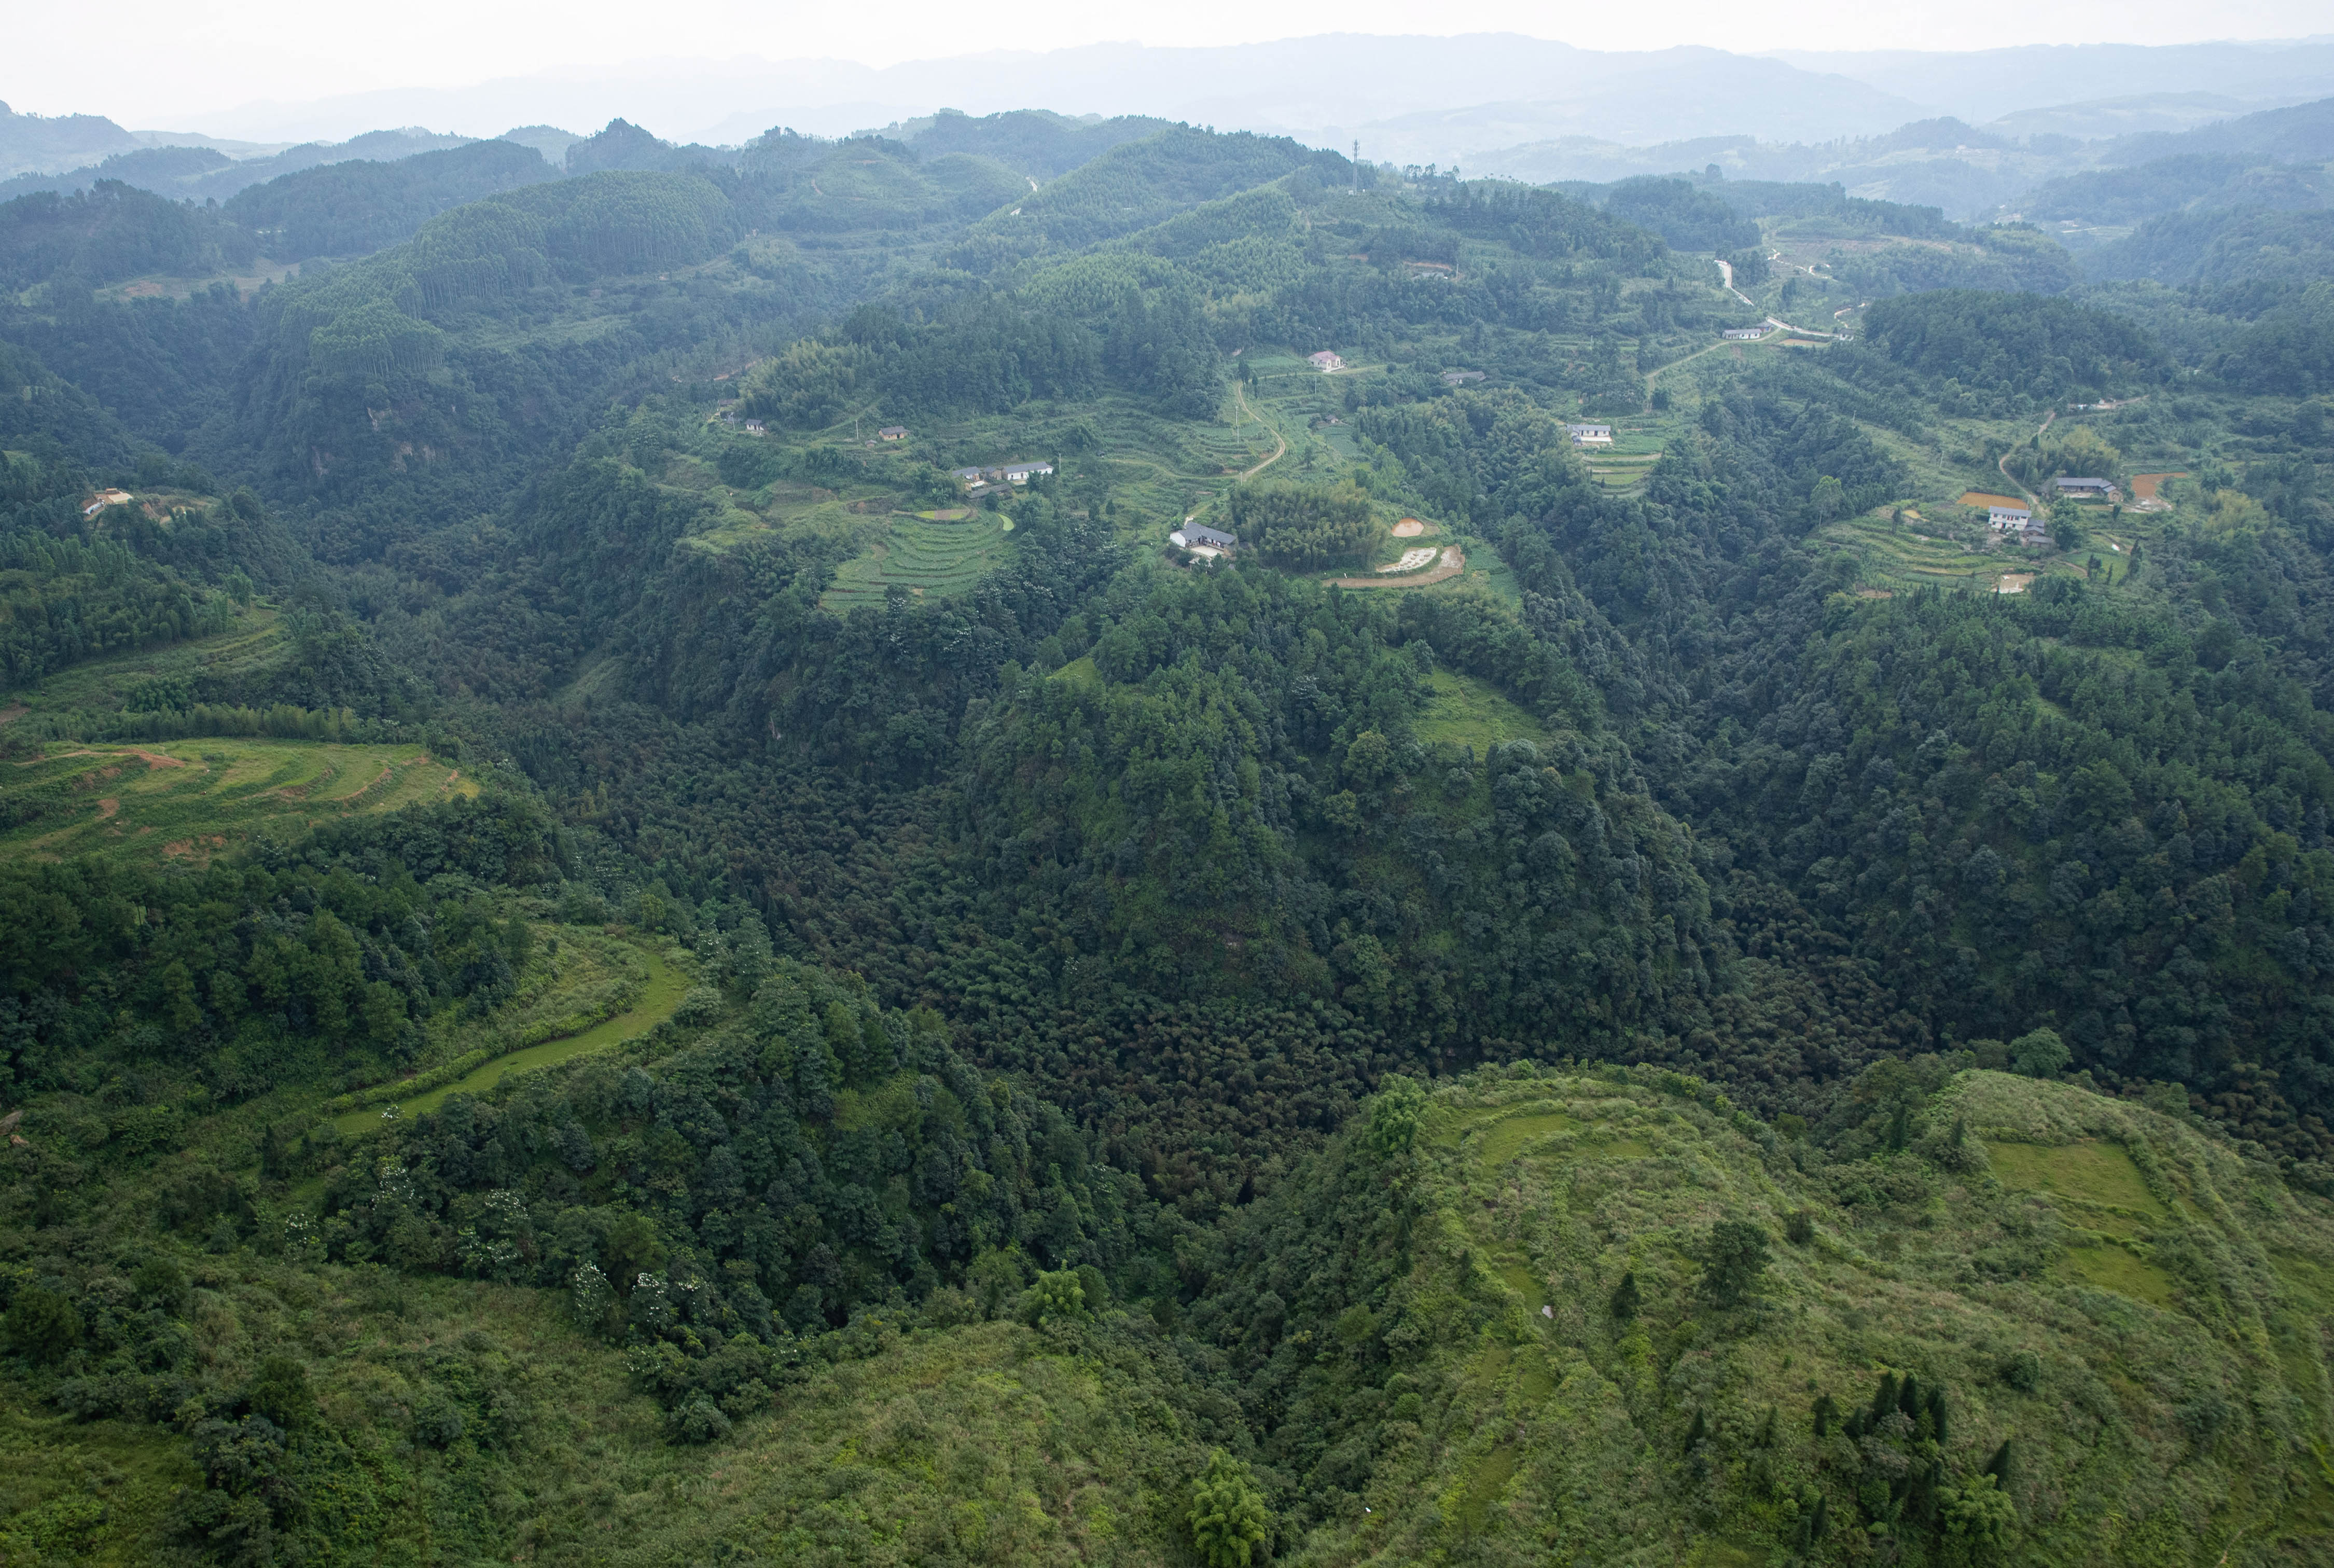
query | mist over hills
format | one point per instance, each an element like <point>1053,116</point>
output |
<point>1971,133</point>
<point>1414,99</point>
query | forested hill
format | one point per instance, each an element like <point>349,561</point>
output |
<point>1070,840</point>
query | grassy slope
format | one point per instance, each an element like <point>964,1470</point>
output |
<point>595,993</point>
<point>2174,1297</point>
<point>988,1443</point>
<point>103,685</point>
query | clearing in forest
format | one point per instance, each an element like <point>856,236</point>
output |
<point>185,801</point>
<point>1469,711</point>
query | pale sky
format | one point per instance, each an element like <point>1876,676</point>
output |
<point>157,63</point>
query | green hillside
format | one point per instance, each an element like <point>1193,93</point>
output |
<point>626,938</point>
<point>1539,1315</point>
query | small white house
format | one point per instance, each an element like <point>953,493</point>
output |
<point>1022,473</point>
<point>1745,333</point>
<point>2004,518</point>
<point>1325,362</point>
<point>1591,435</point>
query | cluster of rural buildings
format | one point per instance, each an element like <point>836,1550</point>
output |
<point>1004,473</point>
<point>2020,524</point>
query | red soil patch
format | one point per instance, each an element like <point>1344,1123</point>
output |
<point>2145,485</point>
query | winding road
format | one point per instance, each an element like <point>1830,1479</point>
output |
<point>1726,271</point>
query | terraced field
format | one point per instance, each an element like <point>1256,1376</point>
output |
<point>1621,470</point>
<point>1906,557</point>
<point>927,559</point>
<point>185,801</point>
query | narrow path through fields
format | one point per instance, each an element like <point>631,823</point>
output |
<point>1653,374</point>
<point>1278,451</point>
<point>2002,462</point>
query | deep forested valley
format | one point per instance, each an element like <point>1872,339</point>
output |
<point>1081,841</point>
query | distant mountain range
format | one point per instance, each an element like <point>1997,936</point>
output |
<point>1971,172</point>
<point>1971,133</point>
<point>1419,99</point>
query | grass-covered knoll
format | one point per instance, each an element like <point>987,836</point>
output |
<point>1602,1317</point>
<point>189,800</point>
